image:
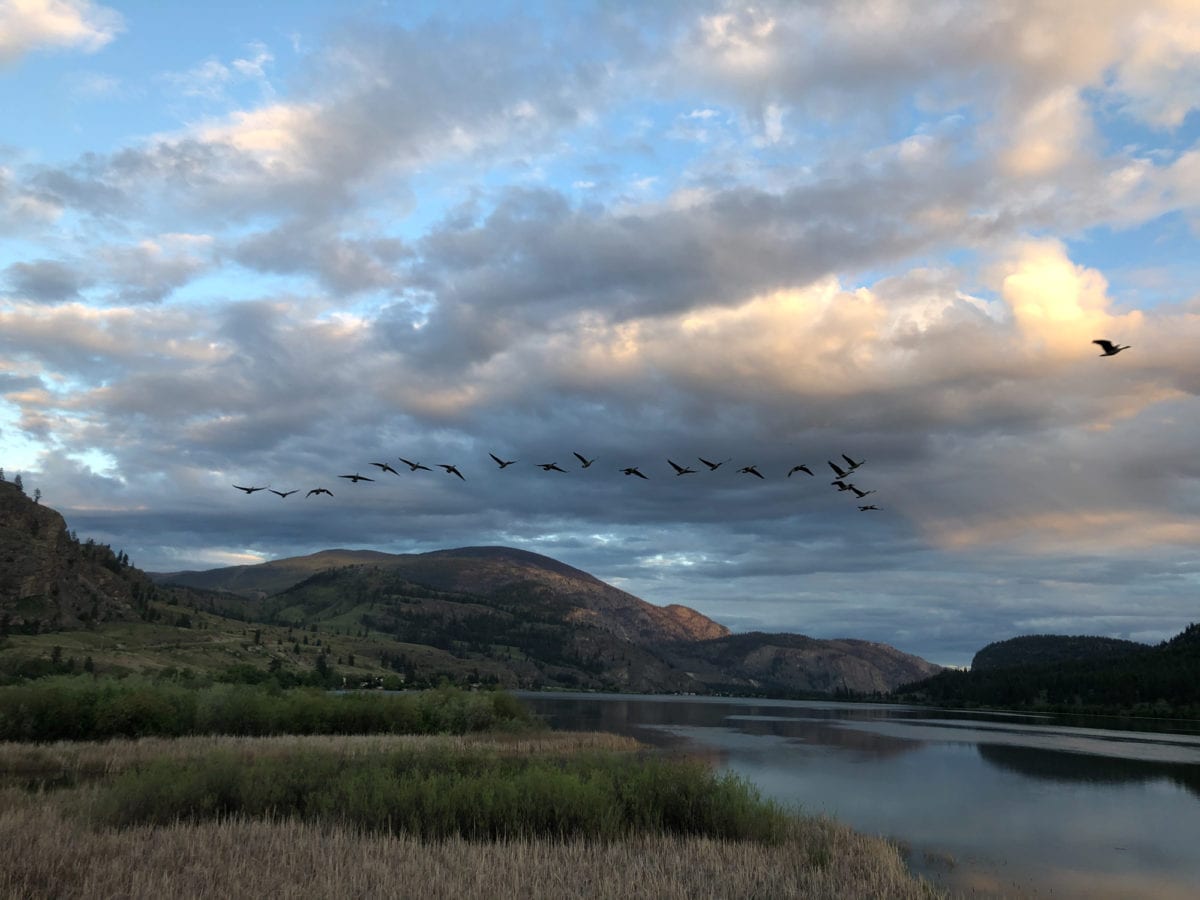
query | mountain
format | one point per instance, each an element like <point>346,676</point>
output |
<point>548,622</point>
<point>1037,649</point>
<point>471,615</point>
<point>1111,677</point>
<point>49,581</point>
<point>799,663</point>
<point>496,574</point>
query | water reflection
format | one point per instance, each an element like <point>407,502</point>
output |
<point>1078,767</point>
<point>1026,804</point>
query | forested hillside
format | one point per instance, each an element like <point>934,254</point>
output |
<point>1162,680</point>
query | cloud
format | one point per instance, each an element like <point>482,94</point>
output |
<point>27,26</point>
<point>45,280</point>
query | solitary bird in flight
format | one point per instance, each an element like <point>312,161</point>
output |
<point>868,507</point>
<point>356,478</point>
<point>249,490</point>
<point>384,467</point>
<point>750,470</point>
<point>853,465</point>
<point>451,470</point>
<point>633,470</point>
<point>681,470</point>
<point>413,466</point>
<point>551,467</point>
<point>712,466</point>
<point>838,470</point>
<point>283,493</point>
<point>584,462</point>
<point>319,491</point>
<point>801,468</point>
<point>502,463</point>
<point>1109,348</point>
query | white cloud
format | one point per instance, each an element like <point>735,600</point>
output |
<point>30,25</point>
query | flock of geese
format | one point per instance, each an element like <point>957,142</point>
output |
<point>842,470</point>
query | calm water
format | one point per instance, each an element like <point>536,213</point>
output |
<point>988,804</point>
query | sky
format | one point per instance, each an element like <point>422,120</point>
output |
<point>272,244</point>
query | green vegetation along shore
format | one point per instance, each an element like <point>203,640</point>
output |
<point>507,809</point>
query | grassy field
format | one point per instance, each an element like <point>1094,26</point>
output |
<point>652,828</point>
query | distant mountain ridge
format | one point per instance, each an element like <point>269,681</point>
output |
<point>496,593</point>
<point>473,615</point>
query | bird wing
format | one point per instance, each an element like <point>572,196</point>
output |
<point>1107,346</point>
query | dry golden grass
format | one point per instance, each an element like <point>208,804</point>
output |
<point>84,760</point>
<point>50,852</point>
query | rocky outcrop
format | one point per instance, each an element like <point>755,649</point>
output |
<point>50,581</point>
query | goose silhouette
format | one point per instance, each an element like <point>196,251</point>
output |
<point>319,491</point>
<point>1109,348</point>
<point>502,463</point>
<point>712,466</point>
<point>801,468</point>
<point>633,470</point>
<point>249,490</point>
<point>551,467</point>
<point>451,470</point>
<point>356,478</point>
<point>681,470</point>
<point>750,470</point>
<point>584,462</point>
<point>413,466</point>
<point>283,493</point>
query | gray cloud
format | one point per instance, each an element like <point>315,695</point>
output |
<point>45,280</point>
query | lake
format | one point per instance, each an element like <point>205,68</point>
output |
<point>986,804</point>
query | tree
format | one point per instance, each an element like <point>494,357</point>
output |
<point>20,485</point>
<point>37,495</point>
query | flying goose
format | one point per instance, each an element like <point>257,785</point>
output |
<point>853,465</point>
<point>356,478</point>
<point>841,485</point>
<point>712,466</point>
<point>633,470</point>
<point>283,493</point>
<point>681,470</point>
<point>1109,348</point>
<point>800,468</point>
<point>413,466</point>
<point>249,490</point>
<point>319,491</point>
<point>551,467</point>
<point>384,467</point>
<point>838,470</point>
<point>750,470</point>
<point>451,470</point>
<point>857,492</point>
<point>584,462</point>
<point>502,463</point>
<point>868,507</point>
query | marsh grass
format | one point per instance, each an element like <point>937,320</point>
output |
<point>469,793</point>
<point>52,852</point>
<point>81,708</point>
<point>66,763</point>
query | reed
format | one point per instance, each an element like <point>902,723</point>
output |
<point>51,852</point>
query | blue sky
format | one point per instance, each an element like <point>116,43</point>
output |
<point>276,243</point>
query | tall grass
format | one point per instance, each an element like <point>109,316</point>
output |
<point>86,709</point>
<point>472,794</point>
<point>49,852</point>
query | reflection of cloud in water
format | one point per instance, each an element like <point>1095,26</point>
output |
<point>1065,766</point>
